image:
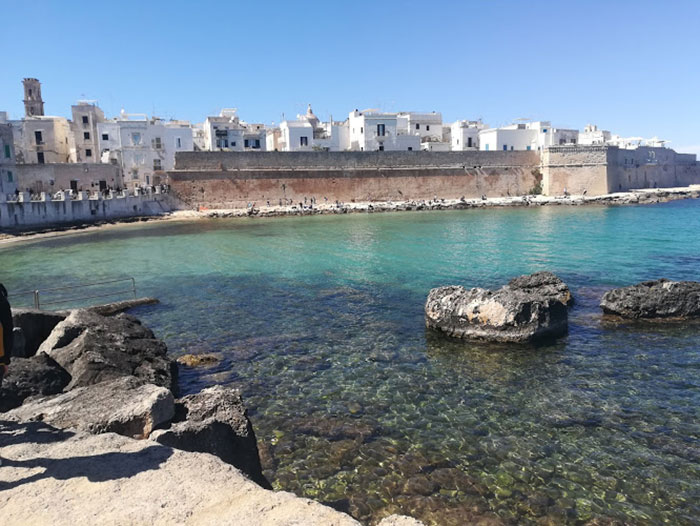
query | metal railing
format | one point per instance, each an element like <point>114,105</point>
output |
<point>38,303</point>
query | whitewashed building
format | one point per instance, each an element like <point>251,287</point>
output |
<point>226,132</point>
<point>525,136</point>
<point>308,133</point>
<point>86,116</point>
<point>371,130</point>
<point>144,148</point>
<point>465,135</point>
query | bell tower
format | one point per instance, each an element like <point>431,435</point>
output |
<point>33,105</point>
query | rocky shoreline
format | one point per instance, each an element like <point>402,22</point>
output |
<point>103,388</point>
<point>644,196</point>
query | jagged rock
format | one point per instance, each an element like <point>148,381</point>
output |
<point>36,326</point>
<point>215,421</point>
<point>38,375</point>
<point>654,299</point>
<point>125,406</point>
<point>197,360</point>
<point>530,308</point>
<point>94,348</point>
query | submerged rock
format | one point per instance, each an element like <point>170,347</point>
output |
<point>529,308</point>
<point>198,360</point>
<point>125,406</point>
<point>38,375</point>
<point>95,348</point>
<point>215,421</point>
<point>654,299</point>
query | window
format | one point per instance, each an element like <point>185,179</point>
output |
<point>304,141</point>
<point>381,131</point>
<point>487,147</point>
<point>40,157</point>
<point>410,148</point>
<point>256,143</point>
<point>38,137</point>
<point>86,136</point>
<point>529,148</point>
<point>135,138</point>
<point>157,144</point>
<point>544,130</point>
<point>511,148</point>
<point>362,129</point>
<point>427,127</point>
<point>381,147</point>
<point>7,151</point>
<point>505,147</point>
<point>246,143</point>
<point>88,152</point>
<point>417,126</point>
<point>105,136</point>
<point>9,176</point>
<point>86,120</point>
<point>233,144</point>
<point>156,164</point>
<point>178,142</point>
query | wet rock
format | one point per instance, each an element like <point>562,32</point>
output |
<point>198,360</point>
<point>38,375</point>
<point>654,299</point>
<point>334,428</point>
<point>530,308</point>
<point>94,348</point>
<point>125,406</point>
<point>215,421</point>
<point>419,485</point>
<point>36,326</point>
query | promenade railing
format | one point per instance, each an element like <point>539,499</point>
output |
<point>43,298</point>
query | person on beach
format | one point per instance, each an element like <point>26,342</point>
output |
<point>6,335</point>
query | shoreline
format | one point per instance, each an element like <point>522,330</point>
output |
<point>633,197</point>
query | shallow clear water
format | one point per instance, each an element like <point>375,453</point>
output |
<point>319,321</point>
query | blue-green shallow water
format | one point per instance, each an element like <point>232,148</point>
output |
<point>319,320</point>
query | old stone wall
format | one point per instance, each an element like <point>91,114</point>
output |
<point>233,180</point>
<point>575,169</point>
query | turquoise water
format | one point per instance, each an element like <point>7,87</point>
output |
<point>319,321</point>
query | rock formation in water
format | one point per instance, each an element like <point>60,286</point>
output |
<point>654,299</point>
<point>529,308</point>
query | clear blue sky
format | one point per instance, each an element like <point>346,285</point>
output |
<point>629,66</point>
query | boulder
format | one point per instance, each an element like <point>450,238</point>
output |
<point>126,406</point>
<point>95,348</point>
<point>215,421</point>
<point>36,326</point>
<point>654,299</point>
<point>529,308</point>
<point>38,375</point>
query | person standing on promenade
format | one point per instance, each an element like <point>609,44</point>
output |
<point>6,335</point>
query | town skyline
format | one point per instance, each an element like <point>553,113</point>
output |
<point>571,65</point>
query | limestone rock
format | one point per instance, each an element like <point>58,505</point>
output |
<point>400,520</point>
<point>65,479</point>
<point>215,421</point>
<point>125,406</point>
<point>198,360</point>
<point>36,326</point>
<point>38,375</point>
<point>654,299</point>
<point>94,348</point>
<point>530,308</point>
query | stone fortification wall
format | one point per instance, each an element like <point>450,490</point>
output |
<point>232,180</point>
<point>45,211</point>
<point>605,169</point>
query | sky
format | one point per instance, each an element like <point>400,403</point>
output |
<point>630,67</point>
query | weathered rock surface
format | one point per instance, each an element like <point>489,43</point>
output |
<point>36,326</point>
<point>95,348</point>
<point>529,308</point>
<point>126,406</point>
<point>112,480</point>
<point>198,360</point>
<point>215,421</point>
<point>38,375</point>
<point>654,299</point>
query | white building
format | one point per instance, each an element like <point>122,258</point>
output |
<point>226,132</point>
<point>592,135</point>
<point>465,135</point>
<point>525,136</point>
<point>308,133</point>
<point>86,116</point>
<point>143,148</point>
<point>427,126</point>
<point>371,130</point>
<point>8,176</point>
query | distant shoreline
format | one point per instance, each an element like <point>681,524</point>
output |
<point>644,196</point>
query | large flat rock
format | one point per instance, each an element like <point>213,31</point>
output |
<point>58,478</point>
<point>654,299</point>
<point>126,406</point>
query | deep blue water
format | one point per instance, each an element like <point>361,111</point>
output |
<point>319,321</point>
